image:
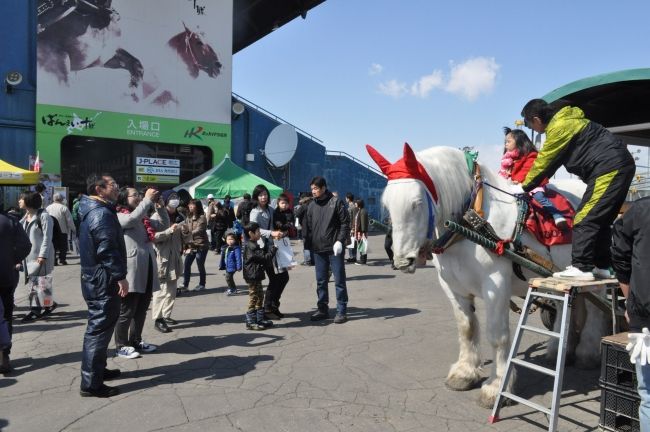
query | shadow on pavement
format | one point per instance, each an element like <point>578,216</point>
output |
<point>202,344</point>
<point>208,368</point>
<point>369,277</point>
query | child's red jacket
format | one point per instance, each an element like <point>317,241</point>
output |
<point>521,167</point>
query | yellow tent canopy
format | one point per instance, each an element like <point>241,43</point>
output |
<point>12,175</point>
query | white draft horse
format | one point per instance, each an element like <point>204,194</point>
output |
<point>429,188</point>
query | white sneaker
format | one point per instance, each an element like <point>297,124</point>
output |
<point>574,273</point>
<point>145,347</point>
<point>600,273</point>
<point>560,222</point>
<point>127,352</point>
<point>199,288</point>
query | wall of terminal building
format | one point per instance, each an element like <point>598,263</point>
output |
<point>249,133</point>
<point>18,53</point>
<point>249,130</point>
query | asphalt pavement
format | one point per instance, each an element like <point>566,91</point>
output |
<point>383,370</point>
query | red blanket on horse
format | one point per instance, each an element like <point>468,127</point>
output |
<point>541,224</point>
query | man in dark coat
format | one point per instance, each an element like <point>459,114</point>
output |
<point>630,255</point>
<point>103,280</point>
<point>326,230</point>
<point>14,247</point>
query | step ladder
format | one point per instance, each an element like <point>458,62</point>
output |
<point>564,291</point>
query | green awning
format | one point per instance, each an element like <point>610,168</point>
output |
<point>613,99</point>
<point>598,80</point>
<point>227,178</point>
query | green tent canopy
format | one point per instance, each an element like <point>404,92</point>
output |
<point>226,179</point>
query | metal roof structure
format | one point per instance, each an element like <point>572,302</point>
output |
<point>618,100</point>
<point>254,19</point>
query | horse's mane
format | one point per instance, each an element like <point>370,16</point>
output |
<point>448,170</point>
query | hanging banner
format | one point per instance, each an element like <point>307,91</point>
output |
<point>146,70</point>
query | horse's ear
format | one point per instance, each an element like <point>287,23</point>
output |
<point>379,159</point>
<point>409,158</point>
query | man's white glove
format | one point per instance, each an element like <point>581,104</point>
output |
<point>516,189</point>
<point>337,248</point>
<point>639,347</point>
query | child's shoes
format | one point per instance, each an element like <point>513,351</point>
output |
<point>560,222</point>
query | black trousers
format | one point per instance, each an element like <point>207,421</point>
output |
<point>103,309</point>
<point>133,314</point>
<point>277,283</point>
<point>217,239</point>
<point>388,246</point>
<point>7,298</point>
<point>62,247</point>
<point>592,232</point>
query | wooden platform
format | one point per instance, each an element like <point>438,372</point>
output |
<point>566,285</point>
<point>619,339</point>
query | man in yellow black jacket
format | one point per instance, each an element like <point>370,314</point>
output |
<point>601,160</point>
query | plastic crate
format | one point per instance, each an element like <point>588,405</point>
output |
<point>616,370</point>
<point>619,411</point>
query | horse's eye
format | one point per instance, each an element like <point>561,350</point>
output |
<point>416,204</point>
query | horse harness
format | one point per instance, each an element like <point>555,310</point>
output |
<point>474,219</point>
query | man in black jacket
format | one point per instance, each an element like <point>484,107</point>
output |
<point>14,247</point>
<point>103,280</point>
<point>326,230</point>
<point>630,257</point>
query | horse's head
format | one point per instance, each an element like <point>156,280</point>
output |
<point>411,199</point>
<point>197,55</point>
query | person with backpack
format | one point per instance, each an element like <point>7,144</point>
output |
<point>243,213</point>
<point>39,263</point>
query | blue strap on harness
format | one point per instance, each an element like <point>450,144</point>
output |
<point>432,219</point>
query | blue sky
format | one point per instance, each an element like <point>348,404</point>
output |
<point>433,73</point>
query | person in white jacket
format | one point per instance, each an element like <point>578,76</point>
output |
<point>62,214</point>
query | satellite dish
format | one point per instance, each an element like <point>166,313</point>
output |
<point>281,145</point>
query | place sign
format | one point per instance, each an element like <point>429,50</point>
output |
<point>157,170</point>
<point>151,161</point>
<point>145,178</point>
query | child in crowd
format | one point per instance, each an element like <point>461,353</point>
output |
<point>283,219</point>
<point>519,154</point>
<point>231,261</point>
<point>256,259</point>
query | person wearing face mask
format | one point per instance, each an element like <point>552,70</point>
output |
<point>139,234</point>
<point>168,243</point>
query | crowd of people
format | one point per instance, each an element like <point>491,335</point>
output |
<point>137,249</point>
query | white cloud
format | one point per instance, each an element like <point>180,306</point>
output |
<point>473,77</point>
<point>422,87</point>
<point>469,79</point>
<point>393,88</point>
<point>375,69</point>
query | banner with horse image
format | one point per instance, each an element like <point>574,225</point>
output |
<point>146,70</point>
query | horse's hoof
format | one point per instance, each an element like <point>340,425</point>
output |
<point>486,401</point>
<point>460,384</point>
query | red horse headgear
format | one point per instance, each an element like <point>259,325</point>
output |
<point>406,168</point>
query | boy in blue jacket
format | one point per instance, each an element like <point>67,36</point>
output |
<point>231,261</point>
<point>256,260</point>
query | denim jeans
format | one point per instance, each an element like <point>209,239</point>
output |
<point>549,208</point>
<point>324,262</point>
<point>200,256</point>
<point>643,380</point>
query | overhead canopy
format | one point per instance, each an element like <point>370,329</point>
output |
<point>226,179</point>
<point>254,19</point>
<point>617,100</point>
<point>12,176</point>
